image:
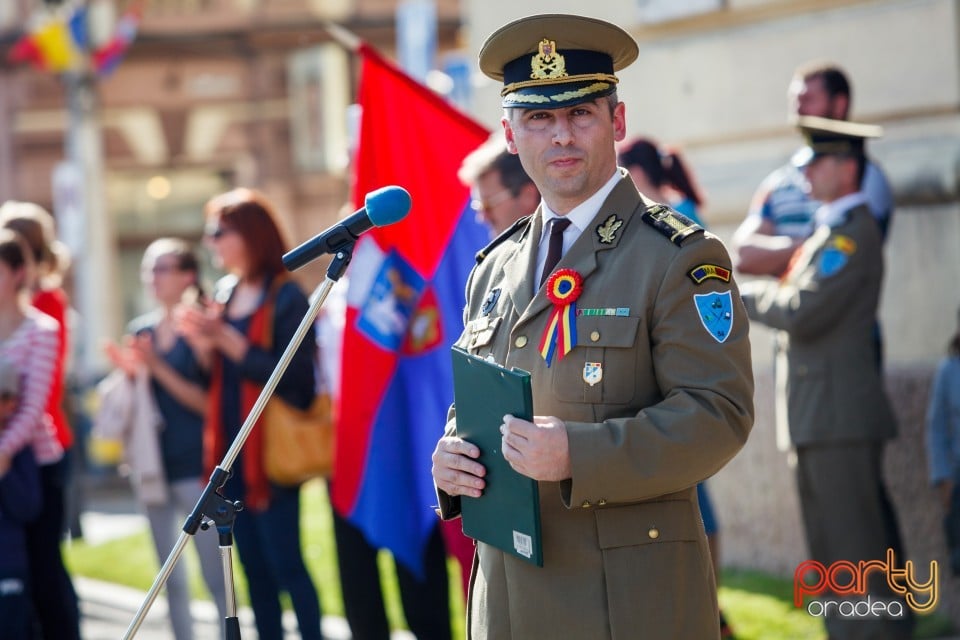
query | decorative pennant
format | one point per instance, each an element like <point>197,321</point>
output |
<point>61,41</point>
<point>560,335</point>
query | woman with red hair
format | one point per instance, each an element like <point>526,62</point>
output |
<point>242,336</point>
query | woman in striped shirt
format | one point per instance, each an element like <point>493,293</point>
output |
<point>29,340</point>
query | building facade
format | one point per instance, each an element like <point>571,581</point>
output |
<point>212,94</point>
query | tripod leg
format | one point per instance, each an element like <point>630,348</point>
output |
<point>231,622</point>
<point>157,585</point>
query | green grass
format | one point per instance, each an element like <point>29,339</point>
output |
<point>758,606</point>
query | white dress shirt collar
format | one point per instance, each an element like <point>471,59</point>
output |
<point>833,213</point>
<point>579,217</point>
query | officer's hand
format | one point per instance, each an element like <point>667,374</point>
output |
<point>455,469</point>
<point>538,449</point>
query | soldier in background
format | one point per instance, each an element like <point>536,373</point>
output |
<point>838,417</point>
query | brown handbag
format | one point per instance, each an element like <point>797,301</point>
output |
<point>297,443</point>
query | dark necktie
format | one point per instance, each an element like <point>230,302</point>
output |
<point>554,248</point>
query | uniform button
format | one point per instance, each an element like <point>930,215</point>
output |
<point>802,370</point>
<point>520,342</point>
<point>602,502</point>
<point>595,336</point>
<point>586,504</point>
<point>653,533</point>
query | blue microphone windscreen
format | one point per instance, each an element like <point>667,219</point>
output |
<point>387,205</point>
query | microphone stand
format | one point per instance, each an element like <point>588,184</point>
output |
<point>212,506</point>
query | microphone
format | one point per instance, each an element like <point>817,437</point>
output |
<point>381,207</point>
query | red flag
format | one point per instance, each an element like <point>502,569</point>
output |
<point>404,303</point>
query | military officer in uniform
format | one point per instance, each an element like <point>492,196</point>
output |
<point>831,404</point>
<point>654,392</point>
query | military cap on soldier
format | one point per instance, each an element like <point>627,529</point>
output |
<point>556,60</point>
<point>832,137</point>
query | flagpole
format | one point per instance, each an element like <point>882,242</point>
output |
<point>344,37</point>
<point>95,265</point>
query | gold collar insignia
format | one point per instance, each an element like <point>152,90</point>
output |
<point>608,230</point>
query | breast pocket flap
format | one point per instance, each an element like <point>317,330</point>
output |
<point>607,331</point>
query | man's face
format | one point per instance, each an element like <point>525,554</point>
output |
<point>495,204</point>
<point>568,152</point>
<point>810,98</point>
<point>828,177</point>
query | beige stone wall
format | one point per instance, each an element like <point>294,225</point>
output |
<point>717,85</point>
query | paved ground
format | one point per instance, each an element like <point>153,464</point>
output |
<point>108,609</point>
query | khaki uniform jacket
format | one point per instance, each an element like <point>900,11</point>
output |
<point>828,383</point>
<point>624,550</point>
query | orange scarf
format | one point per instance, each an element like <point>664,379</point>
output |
<point>214,442</point>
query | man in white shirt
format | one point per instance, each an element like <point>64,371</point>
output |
<point>780,214</point>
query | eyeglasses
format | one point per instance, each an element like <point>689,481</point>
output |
<point>151,273</point>
<point>480,205</point>
<point>217,232</point>
<point>163,268</point>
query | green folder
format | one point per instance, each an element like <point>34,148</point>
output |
<point>507,515</point>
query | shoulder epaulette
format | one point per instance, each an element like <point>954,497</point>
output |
<point>483,253</point>
<point>676,226</point>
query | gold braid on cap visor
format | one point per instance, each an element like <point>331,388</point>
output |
<point>583,77</point>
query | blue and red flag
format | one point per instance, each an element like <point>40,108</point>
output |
<point>404,309</point>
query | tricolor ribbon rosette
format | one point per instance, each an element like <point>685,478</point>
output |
<point>560,336</point>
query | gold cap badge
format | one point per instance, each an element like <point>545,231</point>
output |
<point>547,64</point>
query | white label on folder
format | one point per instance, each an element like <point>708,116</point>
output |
<point>522,544</point>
